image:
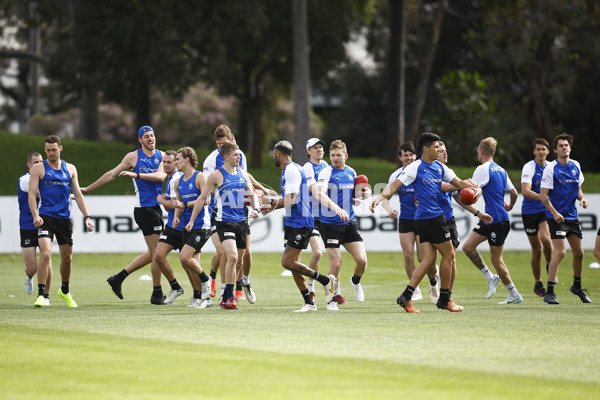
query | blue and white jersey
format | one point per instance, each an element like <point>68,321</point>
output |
<point>188,191</point>
<point>312,176</point>
<point>532,173</point>
<point>25,217</point>
<point>147,191</point>
<point>406,196</point>
<point>564,182</point>
<point>55,191</point>
<point>215,161</point>
<point>293,180</point>
<point>494,181</point>
<point>427,182</point>
<point>169,195</point>
<point>229,197</point>
<point>340,189</point>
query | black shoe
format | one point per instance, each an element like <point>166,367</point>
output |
<point>582,293</point>
<point>550,298</point>
<point>158,300</point>
<point>539,290</point>
<point>115,285</point>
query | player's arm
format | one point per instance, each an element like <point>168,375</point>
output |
<point>467,183</point>
<point>528,193</point>
<point>257,185</point>
<point>473,210</point>
<point>581,198</point>
<point>34,183</point>
<point>318,191</point>
<point>254,203</point>
<point>448,187</point>
<point>127,163</point>
<point>548,204</point>
<point>200,183</point>
<point>392,212</point>
<point>89,224</point>
<point>159,176</point>
<point>387,193</point>
<point>214,180</point>
<point>514,195</point>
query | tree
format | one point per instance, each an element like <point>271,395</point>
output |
<point>301,77</point>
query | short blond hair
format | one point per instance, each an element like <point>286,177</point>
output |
<point>222,132</point>
<point>338,145</point>
<point>488,146</point>
<point>228,148</point>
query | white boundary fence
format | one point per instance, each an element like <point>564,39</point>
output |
<point>116,231</point>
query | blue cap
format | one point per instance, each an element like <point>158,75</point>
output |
<point>144,129</point>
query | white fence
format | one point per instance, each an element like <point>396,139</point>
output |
<point>116,230</point>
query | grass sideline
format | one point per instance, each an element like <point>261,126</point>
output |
<point>128,349</point>
<point>108,155</point>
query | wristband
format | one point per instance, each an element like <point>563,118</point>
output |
<point>138,175</point>
<point>477,213</point>
<point>271,202</point>
<point>185,205</point>
<point>87,216</point>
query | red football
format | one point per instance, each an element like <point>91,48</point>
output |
<point>259,194</point>
<point>468,196</point>
<point>361,179</point>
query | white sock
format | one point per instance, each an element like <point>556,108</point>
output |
<point>222,289</point>
<point>337,290</point>
<point>245,279</point>
<point>488,275</point>
<point>512,290</point>
<point>311,285</point>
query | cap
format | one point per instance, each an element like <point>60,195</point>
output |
<point>144,129</point>
<point>312,141</point>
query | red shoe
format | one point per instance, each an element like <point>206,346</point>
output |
<point>406,304</point>
<point>213,288</point>
<point>312,296</point>
<point>221,302</point>
<point>239,295</point>
<point>451,306</point>
<point>230,304</point>
<point>338,298</point>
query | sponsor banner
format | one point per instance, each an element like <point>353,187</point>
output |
<point>116,230</point>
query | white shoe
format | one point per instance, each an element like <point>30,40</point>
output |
<point>206,288</point>
<point>46,302</point>
<point>28,284</point>
<point>417,295</point>
<point>307,308</point>
<point>512,300</point>
<point>173,294</point>
<point>358,292</point>
<point>434,293</point>
<point>332,306</point>
<point>194,302</point>
<point>205,303</point>
<point>250,296</point>
<point>330,289</point>
<point>492,285</point>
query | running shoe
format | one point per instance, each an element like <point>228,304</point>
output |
<point>358,292</point>
<point>582,293</point>
<point>46,302</point>
<point>39,302</point>
<point>68,298</point>
<point>206,303</point>
<point>207,288</point>
<point>28,284</point>
<point>332,306</point>
<point>329,289</point>
<point>194,302</point>
<point>230,304</point>
<point>539,290</point>
<point>417,295</point>
<point>338,298</point>
<point>512,300</point>
<point>550,298</point>
<point>213,287</point>
<point>250,296</point>
<point>239,295</point>
<point>450,306</point>
<point>307,308</point>
<point>434,293</point>
<point>406,304</point>
<point>492,285</point>
<point>173,294</point>
<point>158,300</point>
<point>115,285</point>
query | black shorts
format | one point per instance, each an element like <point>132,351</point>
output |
<point>433,230</point>
<point>29,238</point>
<point>247,226</point>
<point>316,231</point>
<point>149,219</point>
<point>197,238</point>
<point>531,222</point>
<point>496,233</point>
<point>562,231</point>
<point>213,222</point>
<point>336,235</point>
<point>232,230</point>
<point>172,237</point>
<point>407,225</point>
<point>297,238</point>
<point>453,232</point>
<point>62,228</point>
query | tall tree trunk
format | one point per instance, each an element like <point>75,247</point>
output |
<point>88,126</point>
<point>395,134</point>
<point>301,78</point>
<point>142,111</point>
<point>255,113</point>
<point>426,72</point>
<point>541,111</point>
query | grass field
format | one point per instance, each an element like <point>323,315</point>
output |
<point>128,349</point>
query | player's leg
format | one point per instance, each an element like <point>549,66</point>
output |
<point>470,249</point>
<point>358,253</point>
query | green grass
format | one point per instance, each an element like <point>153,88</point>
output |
<point>128,349</point>
<point>106,156</point>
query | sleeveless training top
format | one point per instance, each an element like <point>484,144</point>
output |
<point>229,197</point>
<point>146,191</point>
<point>55,189</point>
